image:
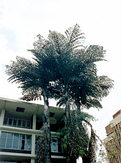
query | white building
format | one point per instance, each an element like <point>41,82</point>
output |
<point>20,123</point>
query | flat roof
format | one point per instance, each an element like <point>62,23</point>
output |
<point>10,106</point>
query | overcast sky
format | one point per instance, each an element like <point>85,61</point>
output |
<point>100,20</point>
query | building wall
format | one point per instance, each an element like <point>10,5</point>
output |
<point>113,140</point>
<point>18,136</point>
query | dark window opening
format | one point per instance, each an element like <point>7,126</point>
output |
<point>18,109</point>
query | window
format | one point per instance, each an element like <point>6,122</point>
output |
<point>54,145</point>
<point>15,122</point>
<point>23,123</point>
<point>9,139</point>
<point>18,109</point>
<point>13,161</point>
<point>15,141</point>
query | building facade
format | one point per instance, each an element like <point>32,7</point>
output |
<point>20,125</point>
<point>113,140</point>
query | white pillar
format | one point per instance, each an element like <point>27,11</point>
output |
<point>34,121</point>
<point>32,160</point>
<point>33,144</point>
<point>33,137</point>
<point>2,116</point>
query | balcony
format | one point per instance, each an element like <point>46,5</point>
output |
<point>14,142</point>
<point>21,143</point>
<point>9,120</point>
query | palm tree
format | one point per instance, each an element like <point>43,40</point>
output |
<point>78,80</point>
<point>34,77</point>
<point>65,47</point>
<point>62,68</point>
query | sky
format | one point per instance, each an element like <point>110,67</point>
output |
<point>22,20</point>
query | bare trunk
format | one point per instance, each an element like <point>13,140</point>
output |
<point>78,111</point>
<point>67,109</point>
<point>68,119</point>
<point>85,158</point>
<point>68,116</point>
<point>90,156</point>
<point>46,128</point>
<point>92,147</point>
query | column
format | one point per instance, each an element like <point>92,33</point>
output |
<point>33,144</point>
<point>34,122</point>
<point>33,137</point>
<point>32,160</point>
<point>2,116</point>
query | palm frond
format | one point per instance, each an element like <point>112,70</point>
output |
<point>31,94</point>
<point>93,102</point>
<point>106,84</point>
<point>58,41</point>
<point>74,36</point>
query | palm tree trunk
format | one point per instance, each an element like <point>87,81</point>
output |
<point>46,129</point>
<point>78,111</point>
<point>92,147</point>
<point>85,158</point>
<point>90,156</point>
<point>67,122</point>
<point>67,108</point>
<point>68,117</point>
